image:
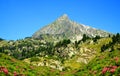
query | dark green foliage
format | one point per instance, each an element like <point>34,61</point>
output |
<point>112,49</point>
<point>22,49</point>
<point>1,39</point>
<point>115,39</point>
<point>79,41</point>
<point>103,48</point>
<point>85,37</point>
<point>1,49</point>
<point>49,49</point>
<point>109,35</point>
<point>76,44</point>
<point>58,44</point>
<point>27,48</point>
<point>28,37</point>
<point>65,42</point>
<point>96,38</point>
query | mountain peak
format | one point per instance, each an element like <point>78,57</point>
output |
<point>63,17</point>
<point>65,28</point>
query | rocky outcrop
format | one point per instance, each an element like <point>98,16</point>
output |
<point>86,55</point>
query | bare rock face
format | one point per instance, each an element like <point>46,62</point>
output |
<point>63,27</point>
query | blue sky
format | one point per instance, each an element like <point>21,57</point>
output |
<point>21,18</point>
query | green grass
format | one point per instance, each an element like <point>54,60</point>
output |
<point>105,59</point>
<point>72,68</point>
<point>97,46</point>
<point>14,65</point>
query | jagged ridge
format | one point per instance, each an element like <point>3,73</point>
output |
<point>63,27</point>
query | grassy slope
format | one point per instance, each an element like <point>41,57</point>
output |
<point>94,46</point>
<point>106,59</point>
<point>97,46</point>
<point>23,68</point>
<point>96,65</point>
<point>93,68</point>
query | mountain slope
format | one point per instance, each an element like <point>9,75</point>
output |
<point>85,58</point>
<point>63,27</point>
<point>10,66</point>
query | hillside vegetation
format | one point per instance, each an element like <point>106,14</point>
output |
<point>10,66</point>
<point>96,56</point>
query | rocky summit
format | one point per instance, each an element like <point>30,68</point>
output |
<point>63,28</point>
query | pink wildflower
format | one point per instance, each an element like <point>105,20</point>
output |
<point>112,70</point>
<point>5,71</point>
<point>15,73</point>
<point>114,67</point>
<point>105,70</point>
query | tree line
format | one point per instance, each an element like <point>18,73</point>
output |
<point>115,40</point>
